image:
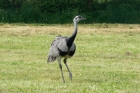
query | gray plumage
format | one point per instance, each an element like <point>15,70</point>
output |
<point>64,47</point>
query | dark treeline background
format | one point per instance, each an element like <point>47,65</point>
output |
<point>63,11</point>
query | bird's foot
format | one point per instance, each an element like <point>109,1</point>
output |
<point>63,80</point>
<point>70,75</point>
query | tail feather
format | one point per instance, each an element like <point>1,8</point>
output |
<point>51,59</point>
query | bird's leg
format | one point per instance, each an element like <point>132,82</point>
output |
<point>70,74</point>
<point>60,66</point>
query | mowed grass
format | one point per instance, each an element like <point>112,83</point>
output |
<point>107,59</point>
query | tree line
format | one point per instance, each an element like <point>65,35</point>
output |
<point>63,11</point>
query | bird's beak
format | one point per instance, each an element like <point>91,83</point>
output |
<point>83,18</point>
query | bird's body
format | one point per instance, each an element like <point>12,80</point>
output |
<point>59,48</point>
<point>64,47</point>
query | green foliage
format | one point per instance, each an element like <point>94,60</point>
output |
<point>62,11</point>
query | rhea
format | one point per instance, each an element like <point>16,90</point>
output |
<point>64,48</point>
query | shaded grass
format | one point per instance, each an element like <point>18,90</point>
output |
<point>107,59</point>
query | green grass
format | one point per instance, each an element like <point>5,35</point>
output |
<point>107,59</point>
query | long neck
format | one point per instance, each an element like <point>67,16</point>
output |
<point>72,38</point>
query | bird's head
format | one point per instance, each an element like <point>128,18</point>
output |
<point>78,18</point>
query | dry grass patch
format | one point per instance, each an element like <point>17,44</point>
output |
<point>67,29</point>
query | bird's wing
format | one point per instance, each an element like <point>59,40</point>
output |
<point>57,46</point>
<point>62,45</point>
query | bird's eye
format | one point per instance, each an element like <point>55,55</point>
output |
<point>79,17</point>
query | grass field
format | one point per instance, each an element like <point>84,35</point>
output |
<point>107,59</point>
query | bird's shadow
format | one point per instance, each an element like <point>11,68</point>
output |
<point>93,81</point>
<point>87,80</point>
